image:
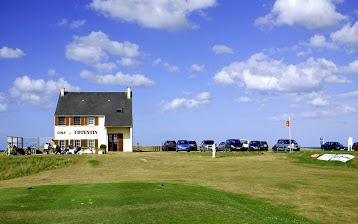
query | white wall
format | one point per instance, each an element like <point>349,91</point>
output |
<point>127,137</point>
<point>83,132</point>
<point>95,132</point>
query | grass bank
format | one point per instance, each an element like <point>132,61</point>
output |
<point>136,203</point>
<point>319,192</point>
<point>19,166</point>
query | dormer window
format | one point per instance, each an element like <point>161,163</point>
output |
<point>61,121</point>
<point>90,121</point>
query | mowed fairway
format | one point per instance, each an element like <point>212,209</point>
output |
<point>184,188</point>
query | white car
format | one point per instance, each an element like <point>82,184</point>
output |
<point>245,144</point>
<point>206,145</point>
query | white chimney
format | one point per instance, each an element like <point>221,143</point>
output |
<point>129,93</point>
<point>62,92</point>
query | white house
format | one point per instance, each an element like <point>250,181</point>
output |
<point>90,119</point>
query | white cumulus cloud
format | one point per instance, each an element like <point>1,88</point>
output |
<point>158,14</point>
<point>352,67</point>
<point>319,102</point>
<point>319,41</point>
<point>77,23</point>
<point>222,49</point>
<point>73,25</point>
<point>171,68</point>
<point>197,68</point>
<point>262,73</point>
<point>10,53</point>
<point>201,99</point>
<point>38,91</point>
<point>343,110</point>
<point>97,48</point>
<point>243,99</point>
<point>166,65</point>
<point>3,102</point>
<point>118,79</point>
<point>311,14</point>
<point>347,36</point>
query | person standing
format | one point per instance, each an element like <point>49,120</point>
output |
<point>46,148</point>
<point>53,145</point>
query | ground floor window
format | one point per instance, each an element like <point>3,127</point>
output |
<point>77,143</point>
<point>62,144</point>
<point>91,143</point>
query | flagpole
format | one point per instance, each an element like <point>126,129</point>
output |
<point>289,132</point>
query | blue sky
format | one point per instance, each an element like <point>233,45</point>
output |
<point>199,69</point>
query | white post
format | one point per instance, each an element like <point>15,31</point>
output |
<point>213,150</point>
<point>350,144</point>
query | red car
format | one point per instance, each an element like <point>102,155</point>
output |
<point>355,146</point>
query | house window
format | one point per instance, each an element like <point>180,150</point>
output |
<point>90,121</point>
<point>91,143</point>
<point>61,121</point>
<point>62,144</point>
<point>77,143</point>
<point>119,110</point>
<point>77,120</point>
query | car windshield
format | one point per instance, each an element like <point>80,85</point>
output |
<point>244,141</point>
<point>209,142</point>
<point>234,141</point>
<point>254,142</point>
<point>182,142</point>
<point>287,141</point>
<point>192,142</point>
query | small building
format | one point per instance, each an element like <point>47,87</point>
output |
<point>91,119</point>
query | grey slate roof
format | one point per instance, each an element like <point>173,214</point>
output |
<point>97,104</point>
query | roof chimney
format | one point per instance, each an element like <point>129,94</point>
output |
<point>62,92</point>
<point>129,93</point>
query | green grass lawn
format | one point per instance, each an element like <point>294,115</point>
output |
<point>136,203</point>
<point>170,187</point>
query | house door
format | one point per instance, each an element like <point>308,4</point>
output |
<point>115,142</point>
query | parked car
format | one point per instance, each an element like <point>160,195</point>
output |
<point>332,146</point>
<point>355,146</point>
<point>286,145</point>
<point>233,145</point>
<point>264,146</point>
<point>255,146</point>
<point>245,144</point>
<point>258,146</point>
<point>206,145</point>
<point>169,145</point>
<point>221,146</point>
<point>182,145</point>
<point>193,145</point>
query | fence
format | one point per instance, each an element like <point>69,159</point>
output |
<point>35,143</point>
<point>147,148</point>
